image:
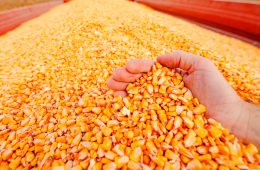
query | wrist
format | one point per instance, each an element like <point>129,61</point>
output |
<point>253,132</point>
<point>246,126</point>
<point>241,124</point>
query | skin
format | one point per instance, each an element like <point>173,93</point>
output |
<point>202,77</point>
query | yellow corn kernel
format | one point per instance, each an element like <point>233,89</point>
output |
<point>99,137</point>
<point>169,125</point>
<point>214,149</point>
<point>190,138</point>
<point>200,109</point>
<point>202,149</point>
<point>169,166</point>
<point>84,164</point>
<point>177,122</point>
<point>188,122</point>
<point>29,156</point>
<point>185,159</point>
<point>159,160</point>
<point>83,154</point>
<point>112,123</point>
<point>222,167</point>
<point>223,149</point>
<point>172,114</point>
<point>14,163</point>
<point>105,161</point>
<point>97,166</point>
<point>56,164</point>
<point>7,154</point>
<point>150,88</point>
<point>134,165</point>
<point>110,155</point>
<point>162,116</point>
<point>161,138</point>
<point>4,166</point>
<point>94,145</point>
<point>169,137</point>
<point>133,90</point>
<point>118,136</point>
<point>213,164</point>
<point>194,164</point>
<point>146,159</point>
<point>137,143</point>
<point>121,161</point>
<point>215,132</point>
<point>93,154</point>
<point>6,120</point>
<point>77,139</point>
<point>119,149</point>
<point>129,134</point>
<point>58,167</point>
<point>151,147</point>
<point>107,112</point>
<point>171,155</point>
<point>201,132</point>
<point>128,150</point>
<point>185,152</point>
<point>87,136</point>
<point>110,166</point>
<point>199,122</point>
<point>104,118</point>
<point>96,110</point>
<point>205,157</point>
<point>107,144</point>
<point>136,154</point>
<point>249,152</point>
<point>144,104</point>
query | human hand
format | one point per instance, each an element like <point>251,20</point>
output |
<point>205,81</point>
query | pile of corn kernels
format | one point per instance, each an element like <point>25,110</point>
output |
<point>56,110</point>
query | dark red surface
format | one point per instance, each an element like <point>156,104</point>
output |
<point>239,18</point>
<point>12,18</point>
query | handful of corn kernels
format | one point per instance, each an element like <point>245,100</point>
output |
<point>174,130</point>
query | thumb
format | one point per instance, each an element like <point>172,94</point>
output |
<point>180,59</point>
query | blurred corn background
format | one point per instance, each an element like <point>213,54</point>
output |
<point>56,111</point>
<point>11,4</point>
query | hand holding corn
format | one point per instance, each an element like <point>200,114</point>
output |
<point>207,84</point>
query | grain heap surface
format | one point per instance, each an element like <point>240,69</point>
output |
<point>56,110</point>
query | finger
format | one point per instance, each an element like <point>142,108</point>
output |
<point>180,59</point>
<point>120,93</point>
<point>115,85</point>
<point>122,75</point>
<point>139,66</point>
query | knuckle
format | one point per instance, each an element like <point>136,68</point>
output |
<point>132,77</point>
<point>119,74</point>
<point>131,66</point>
<point>116,72</point>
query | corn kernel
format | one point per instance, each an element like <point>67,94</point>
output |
<point>215,132</point>
<point>121,161</point>
<point>201,132</point>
